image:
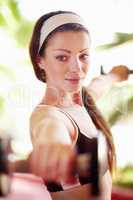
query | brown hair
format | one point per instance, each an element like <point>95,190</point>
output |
<point>100,124</point>
<point>34,43</point>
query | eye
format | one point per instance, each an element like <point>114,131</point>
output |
<point>62,58</point>
<point>84,57</point>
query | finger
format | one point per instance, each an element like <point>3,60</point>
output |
<point>51,172</point>
<point>71,169</point>
<point>39,160</point>
<point>67,165</point>
<point>33,161</point>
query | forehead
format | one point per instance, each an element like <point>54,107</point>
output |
<point>69,39</point>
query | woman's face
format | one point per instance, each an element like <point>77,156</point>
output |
<point>66,60</point>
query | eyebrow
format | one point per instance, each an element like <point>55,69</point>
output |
<point>68,51</point>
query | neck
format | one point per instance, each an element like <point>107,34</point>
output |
<point>61,98</point>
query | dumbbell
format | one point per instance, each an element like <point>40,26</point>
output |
<point>5,172</point>
<point>86,166</point>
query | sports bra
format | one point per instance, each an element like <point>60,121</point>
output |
<point>83,145</point>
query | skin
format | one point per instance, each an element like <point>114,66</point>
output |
<point>66,65</point>
<point>66,62</point>
<point>101,84</point>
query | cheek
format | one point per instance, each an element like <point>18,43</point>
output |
<point>56,72</point>
<point>60,69</point>
<point>86,67</point>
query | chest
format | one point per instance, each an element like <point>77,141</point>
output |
<point>84,121</point>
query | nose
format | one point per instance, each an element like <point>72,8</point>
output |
<point>75,65</point>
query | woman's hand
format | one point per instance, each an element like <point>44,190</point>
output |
<point>54,162</point>
<point>121,72</point>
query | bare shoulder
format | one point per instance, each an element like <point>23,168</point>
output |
<point>41,115</point>
<point>43,111</point>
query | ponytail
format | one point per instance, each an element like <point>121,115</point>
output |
<point>100,124</point>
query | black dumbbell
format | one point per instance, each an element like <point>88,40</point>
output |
<point>86,166</point>
<point>5,175</point>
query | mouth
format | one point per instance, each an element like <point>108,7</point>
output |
<point>74,80</point>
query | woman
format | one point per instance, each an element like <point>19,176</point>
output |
<point>67,115</point>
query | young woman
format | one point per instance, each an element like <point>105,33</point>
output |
<point>67,118</point>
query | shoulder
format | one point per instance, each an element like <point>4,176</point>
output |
<point>43,112</point>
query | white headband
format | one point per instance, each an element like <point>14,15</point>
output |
<point>55,21</point>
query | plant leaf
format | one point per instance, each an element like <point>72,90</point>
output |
<point>13,6</point>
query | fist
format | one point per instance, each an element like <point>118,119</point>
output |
<point>54,162</point>
<point>121,71</point>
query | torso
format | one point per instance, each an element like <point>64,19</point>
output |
<point>77,193</point>
<point>81,117</point>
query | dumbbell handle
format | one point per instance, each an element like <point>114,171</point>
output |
<point>23,166</point>
<point>130,71</point>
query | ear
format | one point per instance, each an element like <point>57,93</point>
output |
<point>40,62</point>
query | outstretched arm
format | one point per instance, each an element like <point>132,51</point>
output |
<point>101,84</point>
<point>53,152</point>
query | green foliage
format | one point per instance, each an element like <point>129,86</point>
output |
<point>14,23</point>
<point>13,7</point>
<point>18,29</point>
<point>23,33</point>
<point>2,20</point>
<point>124,177</point>
<point>9,12</point>
<point>7,72</point>
<point>117,102</point>
<point>120,38</point>
<point>2,104</point>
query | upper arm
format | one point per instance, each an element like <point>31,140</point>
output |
<point>46,126</point>
<point>102,153</point>
<point>106,182</point>
<point>105,175</point>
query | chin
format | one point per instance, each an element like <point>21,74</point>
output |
<point>74,89</point>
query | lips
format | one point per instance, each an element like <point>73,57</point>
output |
<point>73,80</point>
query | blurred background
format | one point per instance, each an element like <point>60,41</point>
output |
<point>110,24</point>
